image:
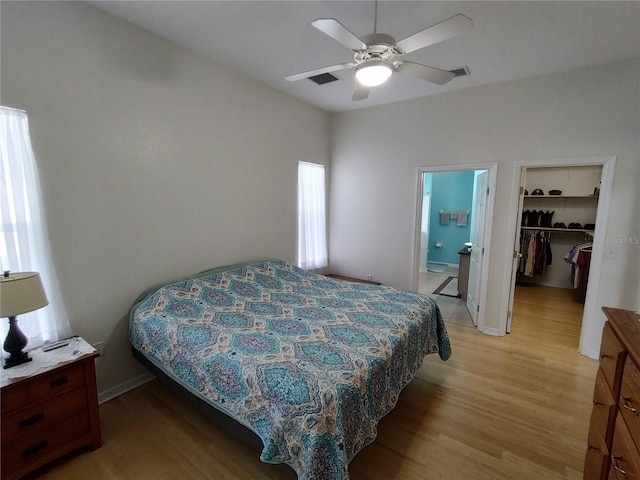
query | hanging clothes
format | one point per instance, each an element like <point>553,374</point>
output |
<point>580,259</point>
<point>535,246</point>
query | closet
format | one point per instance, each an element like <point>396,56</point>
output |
<point>557,225</point>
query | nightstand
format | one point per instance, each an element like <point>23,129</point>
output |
<point>49,407</point>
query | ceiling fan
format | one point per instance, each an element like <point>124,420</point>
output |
<point>374,57</point>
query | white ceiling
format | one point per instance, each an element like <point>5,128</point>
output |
<point>269,40</point>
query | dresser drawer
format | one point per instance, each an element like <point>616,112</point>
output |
<point>42,416</point>
<point>629,401</point>
<point>596,462</point>
<point>604,410</point>
<point>612,356</point>
<point>625,459</point>
<point>29,453</point>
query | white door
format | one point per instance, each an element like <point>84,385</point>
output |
<point>477,245</point>
<point>424,231</point>
<point>517,254</point>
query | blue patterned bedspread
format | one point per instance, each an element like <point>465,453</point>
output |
<point>308,363</point>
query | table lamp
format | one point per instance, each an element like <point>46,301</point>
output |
<point>19,293</point>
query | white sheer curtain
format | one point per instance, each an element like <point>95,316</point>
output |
<point>312,230</point>
<point>24,244</point>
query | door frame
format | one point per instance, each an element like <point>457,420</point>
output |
<point>492,170</point>
<point>592,319</point>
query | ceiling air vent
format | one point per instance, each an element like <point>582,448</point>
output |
<point>460,72</point>
<point>324,78</point>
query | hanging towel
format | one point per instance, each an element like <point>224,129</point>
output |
<point>444,218</point>
<point>462,219</point>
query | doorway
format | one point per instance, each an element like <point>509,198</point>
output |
<point>578,203</point>
<point>451,217</point>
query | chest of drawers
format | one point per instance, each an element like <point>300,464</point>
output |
<point>613,451</point>
<point>49,414</point>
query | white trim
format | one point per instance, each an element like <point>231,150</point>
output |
<point>593,319</point>
<point>491,331</point>
<point>124,387</point>
<point>488,229</point>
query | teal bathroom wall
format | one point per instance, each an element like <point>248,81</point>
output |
<point>450,192</point>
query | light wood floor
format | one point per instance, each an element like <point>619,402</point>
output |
<point>514,407</point>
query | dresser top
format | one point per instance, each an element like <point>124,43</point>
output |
<point>627,325</point>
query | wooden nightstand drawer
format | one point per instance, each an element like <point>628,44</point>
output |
<point>612,356</point>
<point>39,449</point>
<point>42,416</point>
<point>56,382</point>
<point>41,388</point>
<point>12,399</point>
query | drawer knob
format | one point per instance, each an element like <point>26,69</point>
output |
<point>33,449</point>
<point>31,421</point>
<point>603,355</point>
<point>58,382</point>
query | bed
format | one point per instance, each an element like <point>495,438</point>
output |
<point>307,363</point>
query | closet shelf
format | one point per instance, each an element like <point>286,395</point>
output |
<point>560,196</point>
<point>550,229</point>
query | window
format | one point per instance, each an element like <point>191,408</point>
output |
<point>312,230</point>
<point>24,244</point>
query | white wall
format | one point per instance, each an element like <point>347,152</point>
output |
<point>154,162</point>
<point>376,152</point>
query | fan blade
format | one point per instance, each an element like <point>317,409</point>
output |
<point>337,31</point>
<point>449,28</point>
<point>361,92</point>
<point>430,74</point>
<point>318,71</point>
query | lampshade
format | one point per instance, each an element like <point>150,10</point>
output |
<point>21,293</point>
<point>373,73</point>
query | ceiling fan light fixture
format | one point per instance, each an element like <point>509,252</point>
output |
<point>373,73</point>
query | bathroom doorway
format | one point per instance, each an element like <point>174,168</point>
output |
<point>450,210</point>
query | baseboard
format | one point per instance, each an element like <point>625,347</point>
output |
<point>595,354</point>
<point>124,387</point>
<point>547,284</point>
<point>491,331</point>
<point>453,265</point>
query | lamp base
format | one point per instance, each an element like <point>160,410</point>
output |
<point>19,360</point>
<point>13,344</point>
